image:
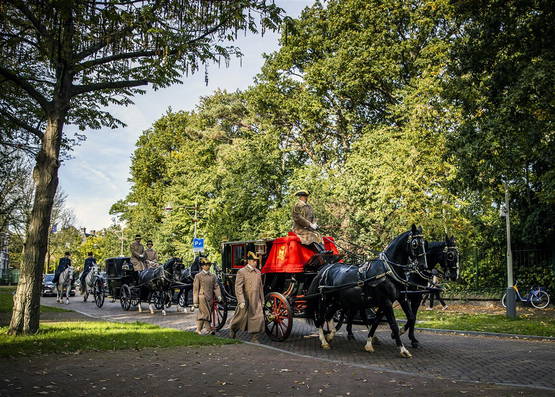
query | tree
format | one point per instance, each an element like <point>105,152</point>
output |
<point>503,60</point>
<point>63,62</point>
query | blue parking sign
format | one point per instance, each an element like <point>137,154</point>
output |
<point>198,244</point>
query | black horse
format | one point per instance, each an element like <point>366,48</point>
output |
<point>350,289</point>
<point>156,284</point>
<point>186,278</point>
<point>444,253</point>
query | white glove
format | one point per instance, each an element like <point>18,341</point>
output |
<point>242,305</point>
<point>195,305</point>
<point>219,299</point>
<point>314,226</point>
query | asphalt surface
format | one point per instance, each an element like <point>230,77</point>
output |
<point>483,359</point>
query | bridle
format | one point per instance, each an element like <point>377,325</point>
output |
<point>451,258</point>
<point>414,242</point>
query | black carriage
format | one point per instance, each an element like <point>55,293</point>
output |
<point>122,282</point>
<point>287,269</point>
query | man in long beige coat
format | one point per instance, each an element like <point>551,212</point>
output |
<point>249,314</point>
<point>205,291</point>
<point>304,223</point>
<point>138,255</point>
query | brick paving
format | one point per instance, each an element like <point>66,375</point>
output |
<point>453,357</point>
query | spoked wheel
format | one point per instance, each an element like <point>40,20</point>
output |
<point>98,293</point>
<point>339,319</point>
<point>278,316</point>
<point>219,314</point>
<point>540,301</point>
<point>157,299</point>
<point>160,299</point>
<point>182,300</point>
<point>125,297</point>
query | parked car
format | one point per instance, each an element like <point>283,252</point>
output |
<point>48,287</point>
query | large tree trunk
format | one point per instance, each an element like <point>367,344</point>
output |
<point>26,309</point>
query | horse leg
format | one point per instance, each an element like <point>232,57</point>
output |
<point>150,304</point>
<point>371,338</point>
<point>415,304</point>
<point>68,290</point>
<point>411,321</point>
<point>350,317</point>
<point>390,315</point>
<point>323,341</point>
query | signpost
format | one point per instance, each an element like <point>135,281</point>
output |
<point>198,245</point>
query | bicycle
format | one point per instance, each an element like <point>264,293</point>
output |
<point>537,297</point>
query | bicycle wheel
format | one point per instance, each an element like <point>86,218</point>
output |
<point>540,301</point>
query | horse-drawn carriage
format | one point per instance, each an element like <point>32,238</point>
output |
<point>301,283</point>
<point>288,268</point>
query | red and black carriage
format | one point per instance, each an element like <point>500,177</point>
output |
<point>287,267</point>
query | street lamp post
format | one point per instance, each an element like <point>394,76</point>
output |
<point>511,295</point>
<point>171,207</point>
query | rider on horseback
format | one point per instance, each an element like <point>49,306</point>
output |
<point>90,261</point>
<point>65,262</point>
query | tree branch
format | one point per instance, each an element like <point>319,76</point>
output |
<point>27,12</point>
<point>110,85</point>
<point>39,134</point>
<point>24,85</point>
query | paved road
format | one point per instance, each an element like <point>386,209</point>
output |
<point>454,357</point>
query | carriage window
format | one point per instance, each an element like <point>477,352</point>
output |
<point>237,255</point>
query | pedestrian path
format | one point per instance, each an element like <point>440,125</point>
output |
<point>454,357</point>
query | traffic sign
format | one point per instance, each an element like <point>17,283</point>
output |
<point>198,244</point>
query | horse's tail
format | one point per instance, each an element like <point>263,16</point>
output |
<point>313,299</point>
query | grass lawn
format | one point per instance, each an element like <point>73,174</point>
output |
<point>523,325</point>
<point>6,305</point>
<point>74,337</point>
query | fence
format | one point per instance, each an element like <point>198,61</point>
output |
<point>485,270</point>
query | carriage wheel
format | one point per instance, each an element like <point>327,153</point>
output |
<point>339,318</point>
<point>98,293</point>
<point>125,297</point>
<point>182,298</point>
<point>159,299</point>
<point>278,316</point>
<point>219,314</point>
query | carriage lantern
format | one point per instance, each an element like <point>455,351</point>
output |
<point>260,247</point>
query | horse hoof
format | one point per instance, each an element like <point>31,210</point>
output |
<point>326,346</point>
<point>405,353</point>
<point>376,340</point>
<point>415,344</point>
<point>369,348</point>
<point>163,312</point>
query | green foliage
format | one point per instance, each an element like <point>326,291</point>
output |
<point>72,337</point>
<point>389,113</point>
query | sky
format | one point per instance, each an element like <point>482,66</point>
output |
<point>97,174</point>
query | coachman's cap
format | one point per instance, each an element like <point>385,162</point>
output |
<point>204,261</point>
<point>302,193</point>
<point>252,256</point>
